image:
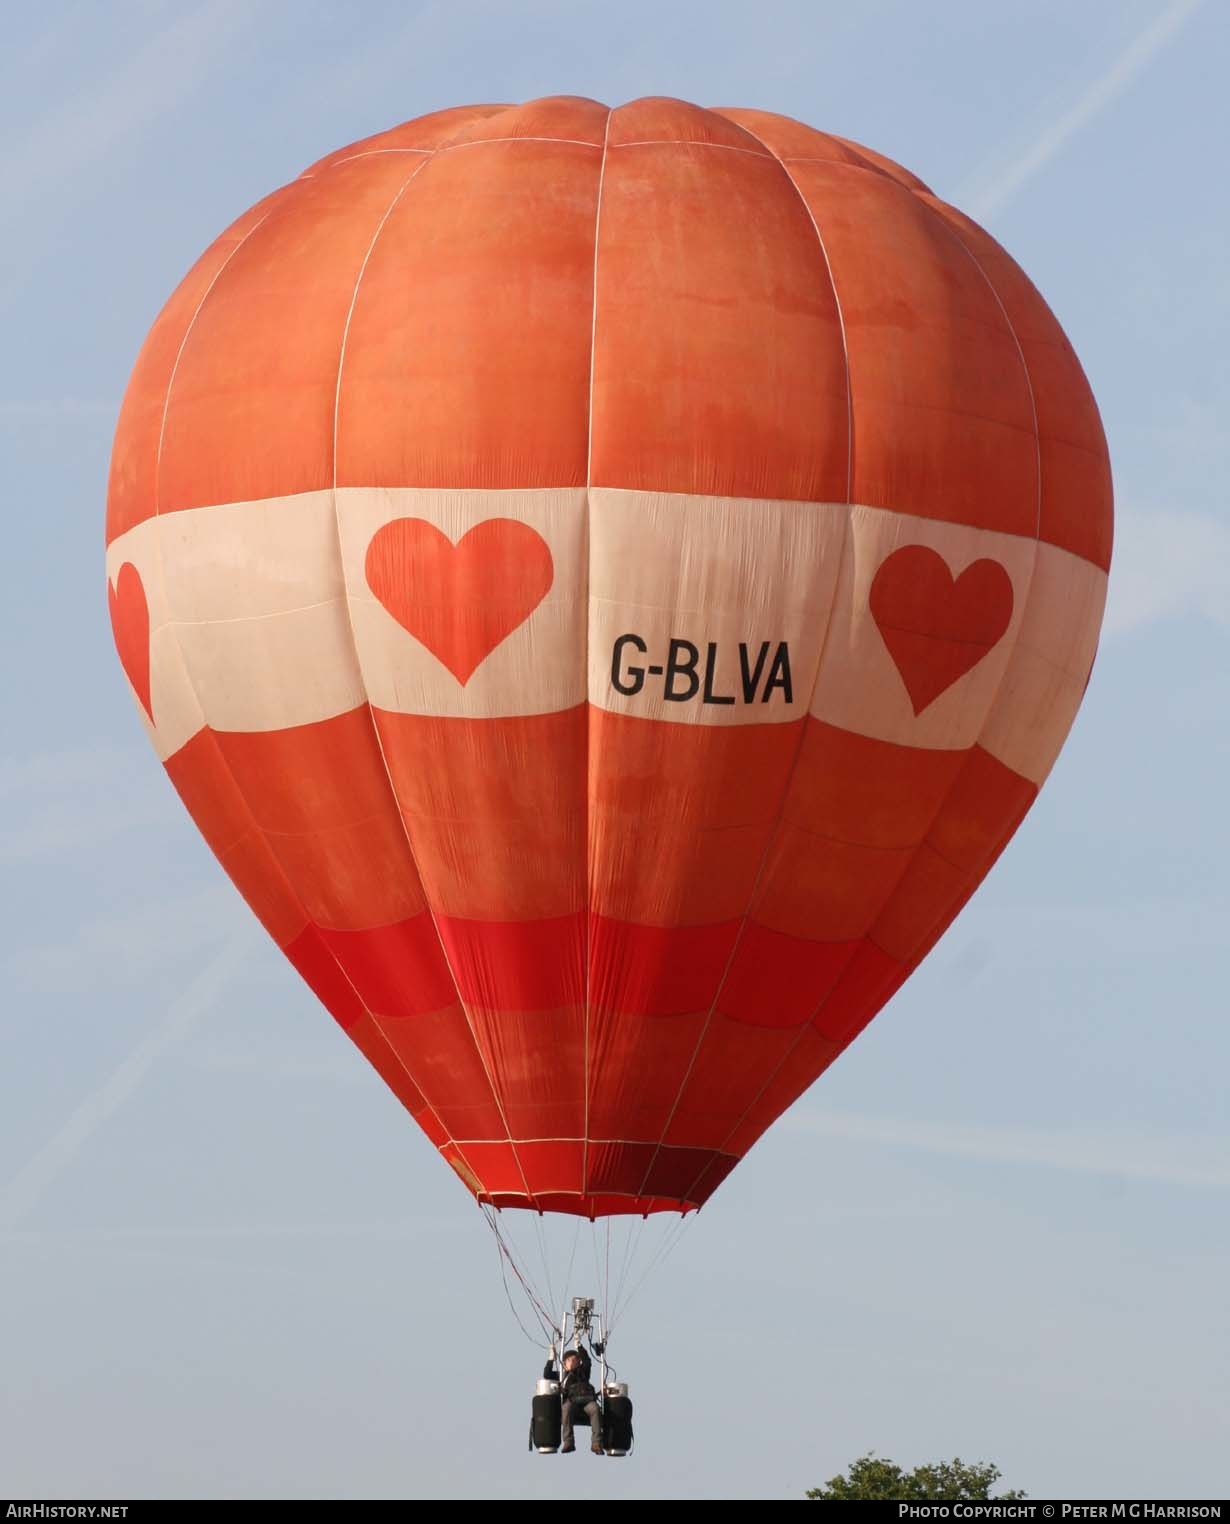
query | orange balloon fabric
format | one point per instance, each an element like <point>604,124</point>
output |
<point>607,584</point>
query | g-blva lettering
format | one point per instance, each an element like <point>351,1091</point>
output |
<point>760,675</point>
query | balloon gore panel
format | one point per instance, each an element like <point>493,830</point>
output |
<point>607,585</point>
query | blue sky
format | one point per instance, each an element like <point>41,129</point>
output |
<point>998,1227</point>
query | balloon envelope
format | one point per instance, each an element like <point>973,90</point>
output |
<point>607,585</point>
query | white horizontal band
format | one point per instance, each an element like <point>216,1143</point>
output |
<point>689,609</point>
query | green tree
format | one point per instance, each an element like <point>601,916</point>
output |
<point>946,1481</point>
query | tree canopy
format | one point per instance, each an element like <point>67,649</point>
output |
<point>871,1478</point>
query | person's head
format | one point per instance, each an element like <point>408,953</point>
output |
<point>571,1360</point>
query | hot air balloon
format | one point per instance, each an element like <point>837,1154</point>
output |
<point>607,584</point>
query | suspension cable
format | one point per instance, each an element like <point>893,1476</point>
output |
<point>546,1266</point>
<point>606,1274</point>
<point>500,1257</point>
<point>632,1239</point>
<point>540,1312</point>
<point>667,1246</point>
<point>616,1298</point>
<point>576,1239</point>
<point>593,1248</point>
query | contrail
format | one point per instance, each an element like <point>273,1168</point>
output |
<point>26,1187</point>
<point>1136,57</point>
<point>1130,1156</point>
<point>131,90</point>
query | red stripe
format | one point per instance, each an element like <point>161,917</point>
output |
<point>399,970</point>
<point>517,965</point>
<point>656,970</point>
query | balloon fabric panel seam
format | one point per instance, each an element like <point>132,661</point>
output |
<point>159,559</point>
<point>794,189</point>
<point>933,215</point>
<point>589,474</point>
<point>482,1056</point>
<point>938,221</point>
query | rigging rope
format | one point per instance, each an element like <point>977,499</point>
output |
<point>508,1294</point>
<point>666,1247</point>
<point>576,1239</point>
<point>543,1316</point>
<point>542,1250</point>
<point>632,1241</point>
<point>602,1269</point>
<point>616,1297</point>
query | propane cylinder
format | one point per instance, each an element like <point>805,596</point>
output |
<point>616,1418</point>
<point>545,1423</point>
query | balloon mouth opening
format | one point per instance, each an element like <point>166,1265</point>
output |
<point>591,1206</point>
<point>511,1178</point>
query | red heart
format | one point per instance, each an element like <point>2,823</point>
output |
<point>937,628</point>
<point>462,600</point>
<point>130,626</point>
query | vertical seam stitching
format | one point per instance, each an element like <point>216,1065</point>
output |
<point>809,1024</point>
<point>589,478</point>
<point>160,561</point>
<point>789,780</point>
<point>405,186</point>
